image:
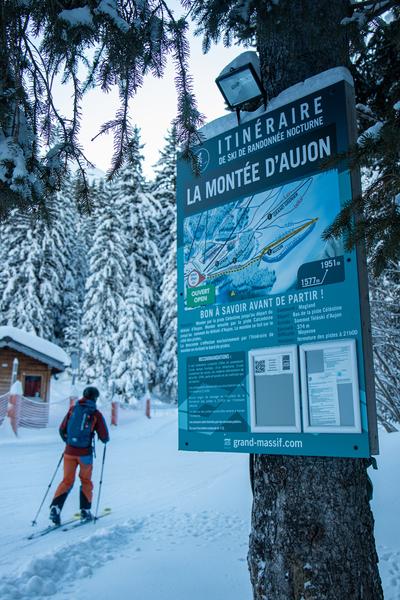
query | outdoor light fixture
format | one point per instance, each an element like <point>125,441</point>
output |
<point>240,82</point>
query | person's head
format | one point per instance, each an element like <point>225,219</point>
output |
<point>91,393</point>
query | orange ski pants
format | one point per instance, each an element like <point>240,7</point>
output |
<point>71,463</point>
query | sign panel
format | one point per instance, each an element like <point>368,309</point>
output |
<point>330,388</point>
<point>274,390</point>
<point>257,283</point>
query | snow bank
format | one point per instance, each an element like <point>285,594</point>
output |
<point>45,575</point>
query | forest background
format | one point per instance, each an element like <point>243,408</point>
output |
<point>102,283</point>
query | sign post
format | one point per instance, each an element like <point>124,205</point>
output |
<point>273,321</point>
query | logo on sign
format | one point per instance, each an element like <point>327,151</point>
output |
<point>203,156</point>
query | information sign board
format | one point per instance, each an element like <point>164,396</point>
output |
<point>257,284</point>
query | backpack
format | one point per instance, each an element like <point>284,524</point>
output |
<point>80,425</point>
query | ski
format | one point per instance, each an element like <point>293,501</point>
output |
<point>50,528</point>
<point>78,523</point>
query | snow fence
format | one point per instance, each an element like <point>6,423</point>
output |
<point>23,411</point>
<point>3,407</point>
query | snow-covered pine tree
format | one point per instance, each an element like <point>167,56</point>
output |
<point>127,39</point>
<point>167,375</point>
<point>375,31</point>
<point>164,188</point>
<point>39,252</point>
<point>140,212</point>
<point>105,288</point>
<point>76,264</point>
<point>21,303</point>
<point>133,362</point>
<point>385,314</point>
<point>54,260</point>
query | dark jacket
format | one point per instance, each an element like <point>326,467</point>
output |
<point>98,426</point>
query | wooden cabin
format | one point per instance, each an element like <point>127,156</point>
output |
<point>38,360</point>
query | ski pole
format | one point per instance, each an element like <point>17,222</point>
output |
<point>34,522</point>
<point>100,484</point>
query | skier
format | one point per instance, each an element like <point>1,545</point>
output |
<point>77,430</point>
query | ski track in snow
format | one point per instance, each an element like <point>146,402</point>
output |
<point>59,571</point>
<point>205,526</point>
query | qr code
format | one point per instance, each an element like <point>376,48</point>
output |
<point>259,366</point>
<point>286,362</point>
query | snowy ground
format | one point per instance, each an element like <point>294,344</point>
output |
<point>179,524</point>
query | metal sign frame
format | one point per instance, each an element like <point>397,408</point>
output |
<point>254,273</point>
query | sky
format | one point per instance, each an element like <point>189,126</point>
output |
<point>155,105</point>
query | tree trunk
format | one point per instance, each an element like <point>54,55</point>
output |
<point>312,526</point>
<point>312,530</point>
<point>298,39</point>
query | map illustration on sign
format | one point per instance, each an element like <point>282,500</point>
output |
<point>254,246</point>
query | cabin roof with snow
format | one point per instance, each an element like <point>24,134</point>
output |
<point>35,347</point>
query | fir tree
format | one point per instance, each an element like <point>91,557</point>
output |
<point>133,361</point>
<point>42,39</point>
<point>54,260</point>
<point>76,245</point>
<point>385,313</point>
<point>164,188</point>
<point>36,274</point>
<point>376,68</point>
<point>167,363</point>
<point>21,304</point>
<point>140,212</point>
<point>105,288</point>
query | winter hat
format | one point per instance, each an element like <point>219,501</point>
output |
<point>91,393</point>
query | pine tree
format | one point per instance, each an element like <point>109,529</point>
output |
<point>40,40</point>
<point>76,246</point>
<point>38,252</point>
<point>74,288</point>
<point>105,288</point>
<point>385,313</point>
<point>164,188</point>
<point>376,70</point>
<point>53,266</point>
<point>140,212</point>
<point>167,363</point>
<point>21,304</point>
<point>132,363</point>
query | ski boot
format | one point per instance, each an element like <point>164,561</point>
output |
<point>86,515</point>
<point>55,513</point>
